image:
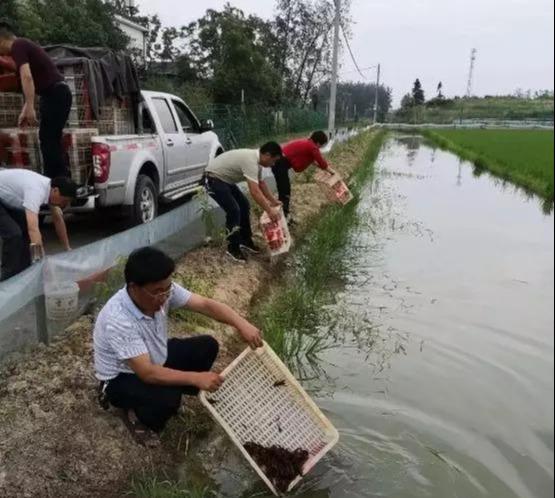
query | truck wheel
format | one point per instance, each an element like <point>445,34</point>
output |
<point>145,207</point>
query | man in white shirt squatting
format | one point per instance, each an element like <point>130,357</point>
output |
<point>141,371</point>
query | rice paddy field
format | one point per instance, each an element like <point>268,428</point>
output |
<point>524,157</point>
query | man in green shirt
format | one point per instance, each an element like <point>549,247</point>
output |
<point>222,176</point>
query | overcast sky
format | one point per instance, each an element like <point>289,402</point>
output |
<point>428,39</point>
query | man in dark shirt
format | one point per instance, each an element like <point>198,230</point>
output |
<point>39,76</point>
<point>298,155</point>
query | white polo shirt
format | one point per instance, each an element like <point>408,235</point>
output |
<point>24,189</point>
<point>122,332</point>
<point>236,166</point>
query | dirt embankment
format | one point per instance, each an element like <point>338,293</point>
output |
<point>55,440</point>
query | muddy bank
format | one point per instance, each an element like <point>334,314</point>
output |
<point>56,441</point>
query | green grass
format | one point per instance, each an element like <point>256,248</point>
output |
<point>525,157</point>
<point>154,487</point>
<point>188,320</point>
<point>288,316</point>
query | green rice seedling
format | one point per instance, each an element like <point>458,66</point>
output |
<point>524,157</point>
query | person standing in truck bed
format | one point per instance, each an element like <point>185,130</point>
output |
<point>39,76</point>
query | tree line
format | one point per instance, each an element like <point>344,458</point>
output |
<point>221,57</point>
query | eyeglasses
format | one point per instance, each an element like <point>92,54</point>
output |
<point>161,296</point>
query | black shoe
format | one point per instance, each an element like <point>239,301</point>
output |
<point>237,256</point>
<point>251,247</point>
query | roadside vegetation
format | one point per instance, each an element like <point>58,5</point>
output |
<point>286,303</point>
<point>289,314</point>
<point>152,487</point>
<point>524,157</point>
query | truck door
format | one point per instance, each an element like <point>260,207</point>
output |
<point>173,140</point>
<point>197,144</point>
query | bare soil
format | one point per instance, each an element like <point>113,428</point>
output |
<point>56,441</point>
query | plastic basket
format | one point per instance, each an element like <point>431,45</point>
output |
<point>276,234</point>
<point>261,402</point>
<point>334,187</point>
<point>19,148</point>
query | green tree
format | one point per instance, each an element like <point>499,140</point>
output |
<point>407,102</point>
<point>418,93</point>
<point>9,10</point>
<point>303,31</point>
<point>440,90</point>
<point>227,50</point>
<point>83,23</point>
<point>355,100</point>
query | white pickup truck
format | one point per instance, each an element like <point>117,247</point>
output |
<point>163,162</point>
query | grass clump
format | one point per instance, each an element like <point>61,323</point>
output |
<point>288,317</point>
<point>193,321</point>
<point>524,157</point>
<point>155,487</point>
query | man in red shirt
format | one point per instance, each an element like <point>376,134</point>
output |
<point>298,155</point>
<point>39,76</point>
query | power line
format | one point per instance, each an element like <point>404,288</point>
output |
<point>364,69</point>
<point>351,52</point>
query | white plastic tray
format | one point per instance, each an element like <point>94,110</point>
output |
<point>261,402</point>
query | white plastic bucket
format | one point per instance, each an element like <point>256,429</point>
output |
<point>62,299</point>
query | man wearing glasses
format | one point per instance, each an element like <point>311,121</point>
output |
<point>141,371</point>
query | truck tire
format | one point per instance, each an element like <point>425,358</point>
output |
<point>145,206</point>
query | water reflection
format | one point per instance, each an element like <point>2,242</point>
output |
<point>547,206</point>
<point>410,142</point>
<point>435,357</point>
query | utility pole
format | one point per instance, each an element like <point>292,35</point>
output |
<point>471,73</point>
<point>376,101</point>
<point>335,68</point>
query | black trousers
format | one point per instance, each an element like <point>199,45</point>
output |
<point>154,405</point>
<point>281,174</point>
<point>16,255</point>
<point>237,210</point>
<point>55,106</point>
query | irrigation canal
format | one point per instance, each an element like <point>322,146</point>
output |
<point>438,370</point>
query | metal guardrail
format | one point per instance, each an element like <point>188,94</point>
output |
<point>23,319</point>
